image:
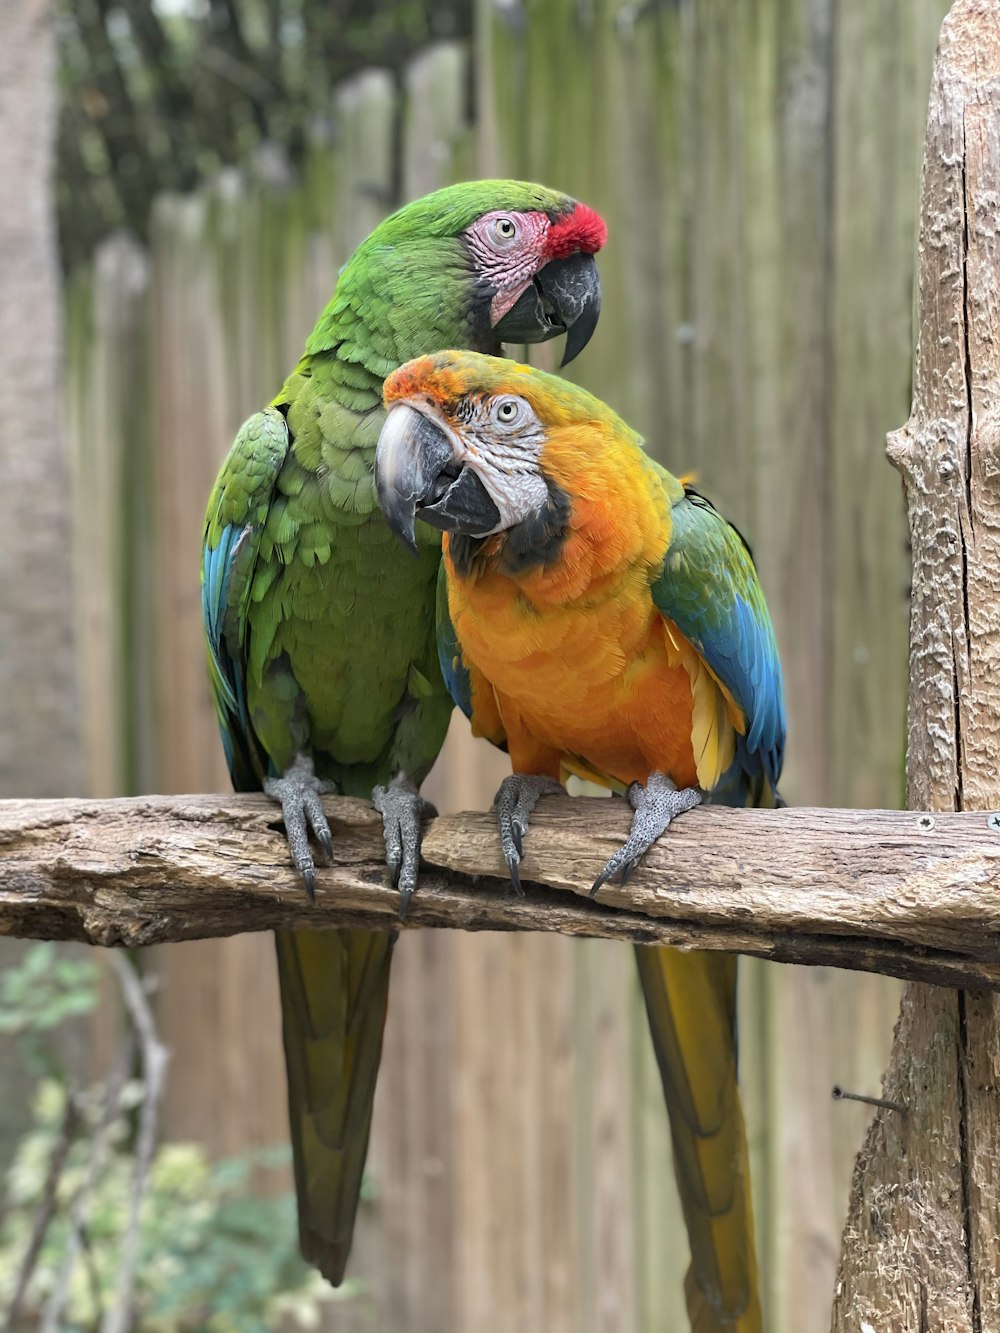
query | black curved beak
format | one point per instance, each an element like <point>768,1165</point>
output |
<point>418,476</point>
<point>563,297</point>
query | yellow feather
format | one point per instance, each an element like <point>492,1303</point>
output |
<point>713,738</point>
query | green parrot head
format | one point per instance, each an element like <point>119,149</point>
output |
<point>473,265</point>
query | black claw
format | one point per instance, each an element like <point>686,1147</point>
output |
<point>326,842</point>
<point>627,869</point>
<point>309,879</point>
<point>599,883</point>
<point>404,901</point>
<point>517,833</point>
<point>515,877</point>
<point>395,868</point>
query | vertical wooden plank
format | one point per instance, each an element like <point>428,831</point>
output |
<point>107,419</point>
<point>505,1140</point>
<point>882,89</point>
<point>363,163</point>
<point>556,1077</point>
<point>605,986</point>
<point>433,117</point>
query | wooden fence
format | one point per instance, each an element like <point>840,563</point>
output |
<point>758,166</point>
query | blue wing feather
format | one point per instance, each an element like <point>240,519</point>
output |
<point>709,588</point>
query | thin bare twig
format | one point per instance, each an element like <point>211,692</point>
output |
<point>155,1055</point>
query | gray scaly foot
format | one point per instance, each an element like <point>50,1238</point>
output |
<point>298,790</point>
<point>655,805</point>
<point>514,802</point>
<point>402,808</point>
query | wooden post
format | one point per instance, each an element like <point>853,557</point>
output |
<point>921,1245</point>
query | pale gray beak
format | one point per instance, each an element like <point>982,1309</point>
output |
<point>418,476</point>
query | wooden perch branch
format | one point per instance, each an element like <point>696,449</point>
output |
<point>890,891</point>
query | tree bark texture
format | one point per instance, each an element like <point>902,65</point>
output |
<point>922,1244</point>
<point>878,890</point>
<point>40,752</point>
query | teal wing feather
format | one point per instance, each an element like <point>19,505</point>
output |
<point>708,587</point>
<point>453,668</point>
<point>235,520</point>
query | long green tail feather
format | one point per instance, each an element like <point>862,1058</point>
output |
<point>334,998</point>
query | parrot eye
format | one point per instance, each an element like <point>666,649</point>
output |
<point>507,411</point>
<point>504,231</point>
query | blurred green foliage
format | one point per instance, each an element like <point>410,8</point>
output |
<point>45,991</point>
<point>214,1253</point>
<point>158,94</point>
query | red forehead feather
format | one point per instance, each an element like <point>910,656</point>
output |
<point>583,229</point>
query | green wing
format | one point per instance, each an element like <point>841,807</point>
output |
<point>237,510</point>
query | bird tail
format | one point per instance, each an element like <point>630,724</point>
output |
<point>691,1003</point>
<point>334,997</point>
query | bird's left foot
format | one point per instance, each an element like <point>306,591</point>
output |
<point>516,798</point>
<point>655,805</point>
<point>402,808</point>
<point>298,791</point>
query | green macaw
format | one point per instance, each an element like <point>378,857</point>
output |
<point>600,618</point>
<point>321,630</point>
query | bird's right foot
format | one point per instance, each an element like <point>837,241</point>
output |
<point>298,791</point>
<point>402,808</point>
<point>517,797</point>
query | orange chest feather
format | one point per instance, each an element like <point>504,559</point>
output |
<point>597,677</point>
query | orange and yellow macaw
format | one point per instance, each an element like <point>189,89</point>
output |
<point>601,618</point>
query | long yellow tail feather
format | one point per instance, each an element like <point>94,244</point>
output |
<point>690,1000</point>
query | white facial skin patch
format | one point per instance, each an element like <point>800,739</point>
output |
<point>509,249</point>
<point>501,439</point>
